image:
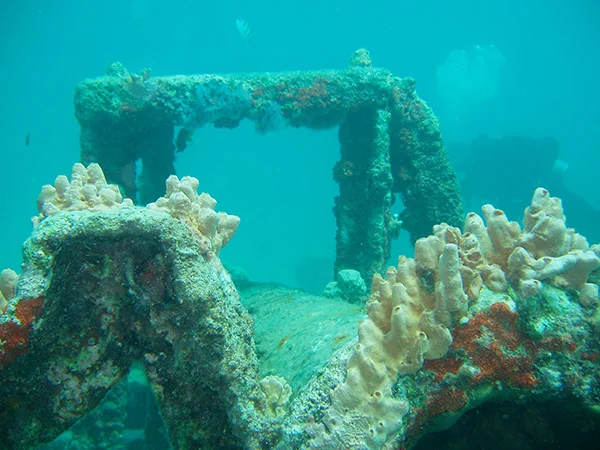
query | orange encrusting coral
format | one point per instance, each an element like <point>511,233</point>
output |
<point>443,401</point>
<point>563,344</point>
<point>314,96</point>
<point>443,366</point>
<point>14,336</point>
<point>591,356</point>
<point>446,400</point>
<point>494,343</point>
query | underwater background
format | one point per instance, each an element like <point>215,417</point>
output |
<point>510,68</point>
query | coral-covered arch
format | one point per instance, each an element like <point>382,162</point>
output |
<point>390,141</point>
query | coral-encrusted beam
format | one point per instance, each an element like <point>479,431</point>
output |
<point>390,140</point>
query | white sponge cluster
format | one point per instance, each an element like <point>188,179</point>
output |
<point>8,287</point>
<point>87,190</point>
<point>277,392</point>
<point>544,250</point>
<point>407,323</point>
<point>212,229</point>
<point>412,310</point>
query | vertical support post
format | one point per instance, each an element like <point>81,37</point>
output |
<point>102,143</point>
<point>117,145</point>
<point>365,226</point>
<point>157,151</point>
<point>422,172</point>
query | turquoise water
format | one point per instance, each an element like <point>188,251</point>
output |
<point>545,86</point>
<point>514,84</point>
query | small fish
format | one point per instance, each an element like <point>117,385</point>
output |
<point>27,139</point>
<point>244,30</point>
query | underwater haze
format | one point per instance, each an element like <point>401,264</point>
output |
<point>129,329</point>
<point>489,69</point>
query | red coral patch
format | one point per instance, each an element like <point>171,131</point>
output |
<point>441,367</point>
<point>494,343</point>
<point>440,402</point>
<point>14,336</point>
